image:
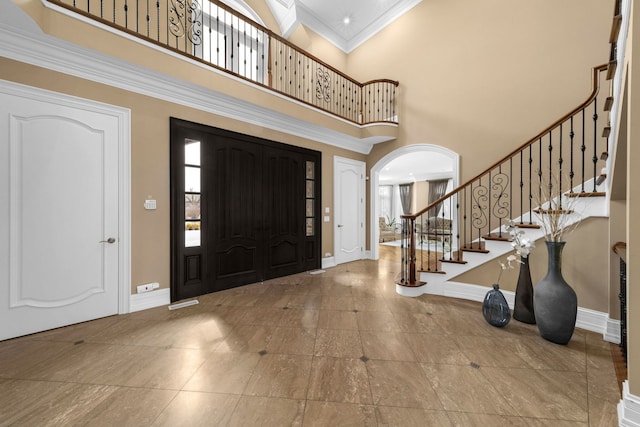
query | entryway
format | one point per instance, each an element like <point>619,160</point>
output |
<point>409,168</point>
<point>244,209</point>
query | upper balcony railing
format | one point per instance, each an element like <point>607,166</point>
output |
<point>211,32</point>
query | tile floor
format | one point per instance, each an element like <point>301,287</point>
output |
<point>334,349</point>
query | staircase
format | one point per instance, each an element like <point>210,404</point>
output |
<point>565,164</point>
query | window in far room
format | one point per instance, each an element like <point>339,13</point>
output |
<point>386,201</point>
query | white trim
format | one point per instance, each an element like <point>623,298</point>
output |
<point>123,116</point>
<point>347,45</point>
<point>587,319</point>
<point>628,408</point>
<point>328,262</point>
<point>151,299</point>
<point>54,54</point>
<point>374,180</point>
<point>612,334</point>
<point>591,320</point>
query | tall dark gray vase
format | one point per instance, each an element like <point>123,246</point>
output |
<point>523,307</point>
<point>555,303</point>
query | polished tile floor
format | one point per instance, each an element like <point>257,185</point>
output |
<point>333,349</point>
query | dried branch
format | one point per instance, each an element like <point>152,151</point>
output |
<point>556,209</point>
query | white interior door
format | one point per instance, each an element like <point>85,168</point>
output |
<point>58,215</point>
<point>349,179</point>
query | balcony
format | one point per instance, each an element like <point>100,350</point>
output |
<point>216,36</point>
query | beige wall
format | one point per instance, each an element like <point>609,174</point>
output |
<point>582,266</point>
<point>483,77</point>
<point>150,251</point>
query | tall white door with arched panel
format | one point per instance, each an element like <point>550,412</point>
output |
<point>349,209</point>
<point>61,235</point>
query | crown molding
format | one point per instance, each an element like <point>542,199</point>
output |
<point>347,45</point>
<point>42,50</point>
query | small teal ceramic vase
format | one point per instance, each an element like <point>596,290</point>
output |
<point>495,308</point>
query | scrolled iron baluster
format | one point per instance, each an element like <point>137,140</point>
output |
<point>176,18</point>
<point>479,207</point>
<point>185,20</point>
<point>502,204</point>
<point>323,85</point>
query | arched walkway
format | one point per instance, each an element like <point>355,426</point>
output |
<point>375,182</point>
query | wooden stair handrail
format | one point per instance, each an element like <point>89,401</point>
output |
<point>620,249</point>
<point>596,88</point>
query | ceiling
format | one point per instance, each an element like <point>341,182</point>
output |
<point>327,18</point>
<point>419,166</point>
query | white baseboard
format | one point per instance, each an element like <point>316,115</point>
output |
<point>148,300</point>
<point>328,262</point>
<point>613,331</point>
<point>628,408</point>
<point>590,320</point>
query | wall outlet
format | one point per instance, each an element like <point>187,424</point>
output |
<point>148,287</point>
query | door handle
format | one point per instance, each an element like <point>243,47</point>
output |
<point>340,226</point>
<point>110,240</point>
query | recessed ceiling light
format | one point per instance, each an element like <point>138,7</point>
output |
<point>346,20</point>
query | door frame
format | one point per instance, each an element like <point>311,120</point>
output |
<point>361,215</point>
<point>375,183</point>
<point>123,116</point>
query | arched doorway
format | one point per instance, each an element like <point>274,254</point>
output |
<point>433,161</point>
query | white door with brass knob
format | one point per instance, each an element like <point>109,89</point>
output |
<point>349,235</point>
<point>58,213</point>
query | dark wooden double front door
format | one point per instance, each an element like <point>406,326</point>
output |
<point>252,204</point>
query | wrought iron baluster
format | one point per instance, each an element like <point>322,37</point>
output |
<point>550,159</point>
<point>572,135</point>
<point>595,141</point>
<point>583,148</point>
<point>540,170</point>
<point>521,187</point>
<point>530,184</point>
<point>560,161</point>
<point>489,208</point>
<point>157,19</point>
<point>511,188</point>
<point>148,17</point>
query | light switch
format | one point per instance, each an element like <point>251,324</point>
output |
<point>327,218</point>
<point>150,205</point>
<point>327,210</point>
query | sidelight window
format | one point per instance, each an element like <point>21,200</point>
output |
<point>310,198</point>
<point>192,193</point>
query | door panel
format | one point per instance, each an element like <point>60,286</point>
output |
<point>232,224</point>
<point>59,165</point>
<point>284,212</point>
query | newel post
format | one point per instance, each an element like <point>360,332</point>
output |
<point>408,252</point>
